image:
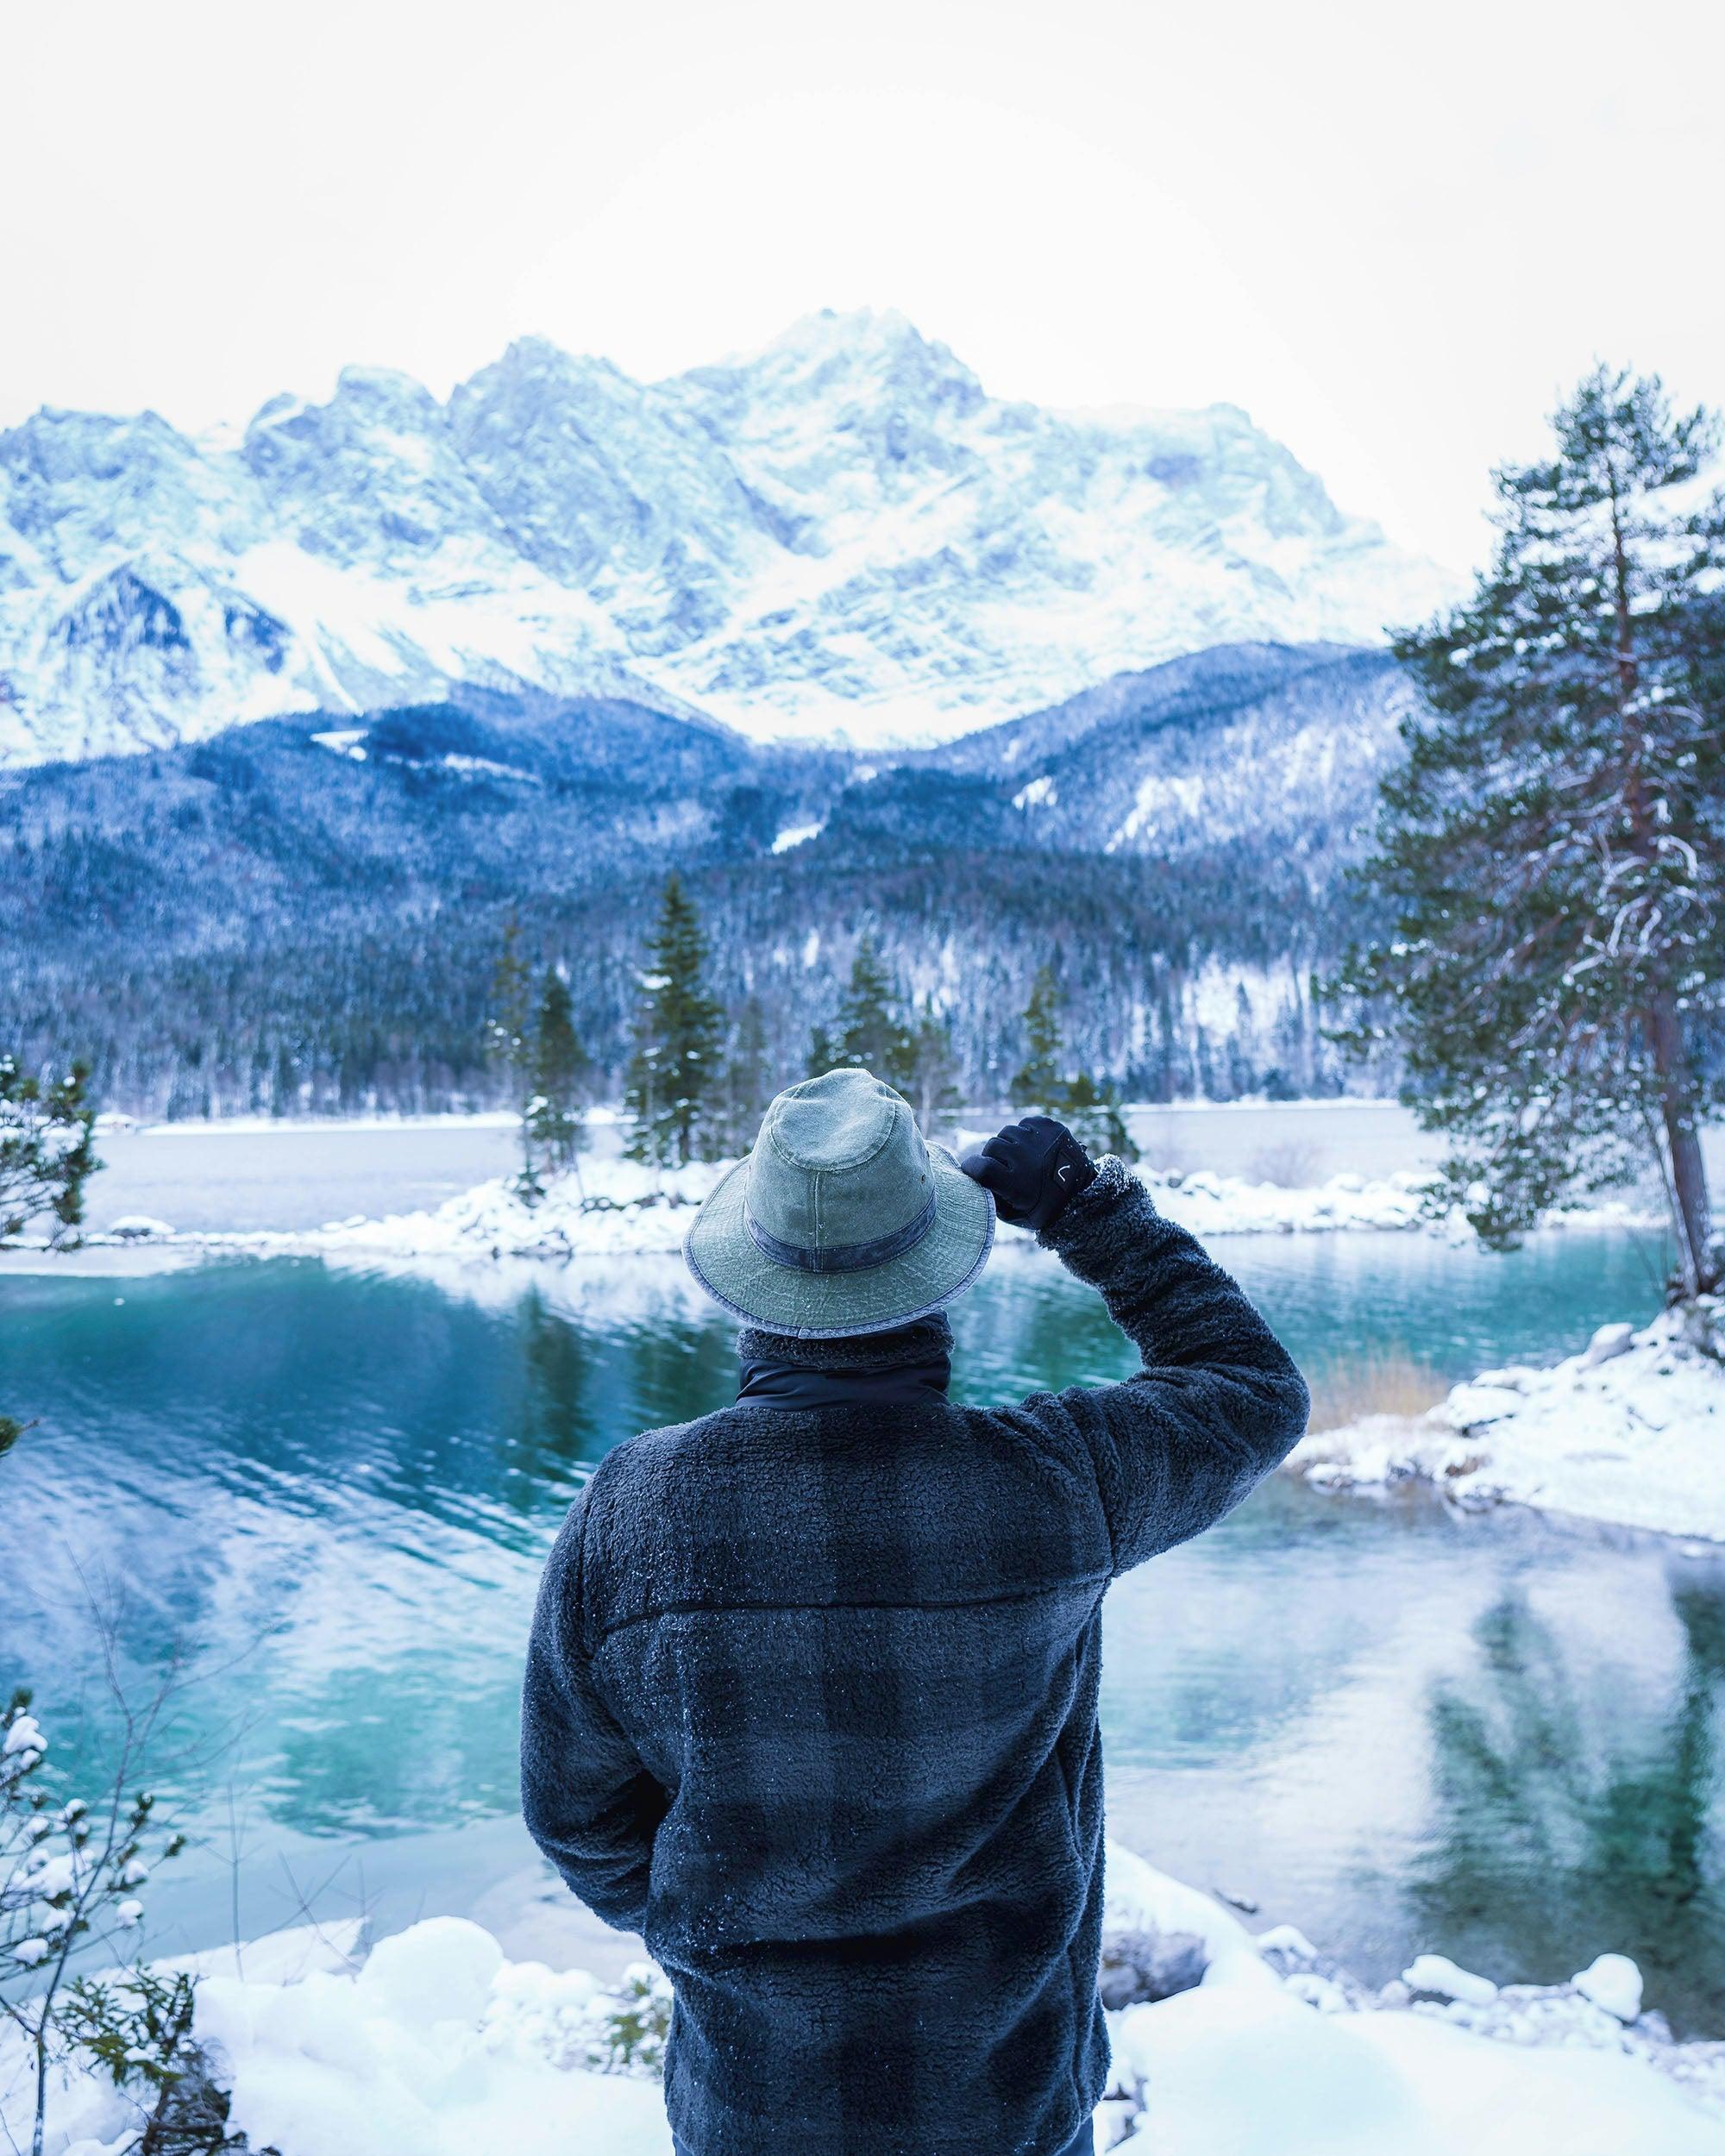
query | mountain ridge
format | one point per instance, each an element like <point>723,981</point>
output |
<point>306,911</point>
<point>841,537</point>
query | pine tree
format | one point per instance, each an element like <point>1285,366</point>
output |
<point>48,1150</point>
<point>1092,1111</point>
<point>1037,1083</point>
<point>508,1021</point>
<point>747,1086</point>
<point>822,1054</point>
<point>557,1067</point>
<point>931,1081</point>
<point>509,1046</point>
<point>674,1071</point>
<point>1550,870</point>
<point>871,1035</point>
<point>1042,1084</point>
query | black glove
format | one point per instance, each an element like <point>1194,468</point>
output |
<point>1035,1168</point>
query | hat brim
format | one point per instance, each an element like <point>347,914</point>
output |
<point>723,1256</point>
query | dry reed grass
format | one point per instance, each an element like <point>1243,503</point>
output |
<point>1381,1381</point>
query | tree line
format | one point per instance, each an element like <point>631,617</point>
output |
<point>1545,901</point>
<point>699,1078</point>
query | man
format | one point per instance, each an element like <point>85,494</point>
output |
<point>811,1701</point>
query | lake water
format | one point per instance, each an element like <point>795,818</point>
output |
<point>329,1490</point>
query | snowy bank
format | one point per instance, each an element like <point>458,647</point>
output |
<point>616,1206</point>
<point>1224,2043</point>
<point>1632,1430</point>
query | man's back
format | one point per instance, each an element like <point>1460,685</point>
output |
<point>812,1703</point>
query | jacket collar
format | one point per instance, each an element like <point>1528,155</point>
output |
<point>885,1369</point>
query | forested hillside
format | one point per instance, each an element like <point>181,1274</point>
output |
<point>305,913</point>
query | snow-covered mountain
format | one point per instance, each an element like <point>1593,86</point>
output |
<point>841,536</point>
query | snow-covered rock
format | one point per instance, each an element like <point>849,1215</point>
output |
<point>138,1227</point>
<point>1435,1976</point>
<point>1614,1981</point>
<point>1609,1340</point>
<point>407,2058</point>
<point>841,532</point>
<point>1236,2072</point>
<point>1631,1432</point>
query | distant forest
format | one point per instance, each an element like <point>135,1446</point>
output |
<point>304,916</point>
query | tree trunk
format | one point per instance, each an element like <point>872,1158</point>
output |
<point>1683,1141</point>
<point>1688,1180</point>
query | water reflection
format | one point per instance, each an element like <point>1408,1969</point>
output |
<point>336,1487</point>
<point>1571,1807</point>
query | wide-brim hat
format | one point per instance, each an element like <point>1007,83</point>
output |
<point>840,1219</point>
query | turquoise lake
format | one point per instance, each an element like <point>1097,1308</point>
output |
<point>324,1494</point>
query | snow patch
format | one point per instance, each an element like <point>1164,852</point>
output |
<point>1157,795</point>
<point>438,2046</point>
<point>483,766</point>
<point>1631,1430</point>
<point>343,741</point>
<point>796,834</point>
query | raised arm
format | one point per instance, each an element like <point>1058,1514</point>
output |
<point>1218,1402</point>
<point>588,1801</point>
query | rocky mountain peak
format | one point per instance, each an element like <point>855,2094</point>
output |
<point>840,534</point>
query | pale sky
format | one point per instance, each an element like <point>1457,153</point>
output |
<point>1394,235</point>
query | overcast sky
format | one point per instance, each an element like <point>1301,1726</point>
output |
<point>1392,235</point>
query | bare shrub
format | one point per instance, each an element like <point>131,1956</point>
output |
<point>1381,1381</point>
<point>1292,1164</point>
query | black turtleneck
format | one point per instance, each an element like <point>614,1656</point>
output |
<point>887,1369</point>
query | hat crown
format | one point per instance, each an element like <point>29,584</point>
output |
<point>840,1166</point>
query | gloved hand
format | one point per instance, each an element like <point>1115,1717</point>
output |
<point>1035,1168</point>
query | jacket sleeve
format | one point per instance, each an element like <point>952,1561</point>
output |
<point>1219,1401</point>
<point>587,1800</point>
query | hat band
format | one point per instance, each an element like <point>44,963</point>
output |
<point>847,1257</point>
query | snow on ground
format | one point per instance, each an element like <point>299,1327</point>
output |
<point>261,1125</point>
<point>1224,2045</point>
<point>1276,2051</point>
<point>86,2114</point>
<point>614,1206</point>
<point>1630,1430</point>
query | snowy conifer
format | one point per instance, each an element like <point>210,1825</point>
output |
<point>1550,858</point>
<point>674,1068</point>
<point>1037,1083</point>
<point>48,1149</point>
<point>558,1067</point>
<point>870,1032</point>
<point>509,1045</point>
<point>932,1079</point>
<point>747,1084</point>
<point>1044,1085</point>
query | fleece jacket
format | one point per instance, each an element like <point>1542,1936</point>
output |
<point>810,1703</point>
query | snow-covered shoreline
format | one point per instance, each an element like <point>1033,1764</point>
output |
<point>1631,1429</point>
<point>435,2044</point>
<point>615,1207</point>
<point>1631,1432</point>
